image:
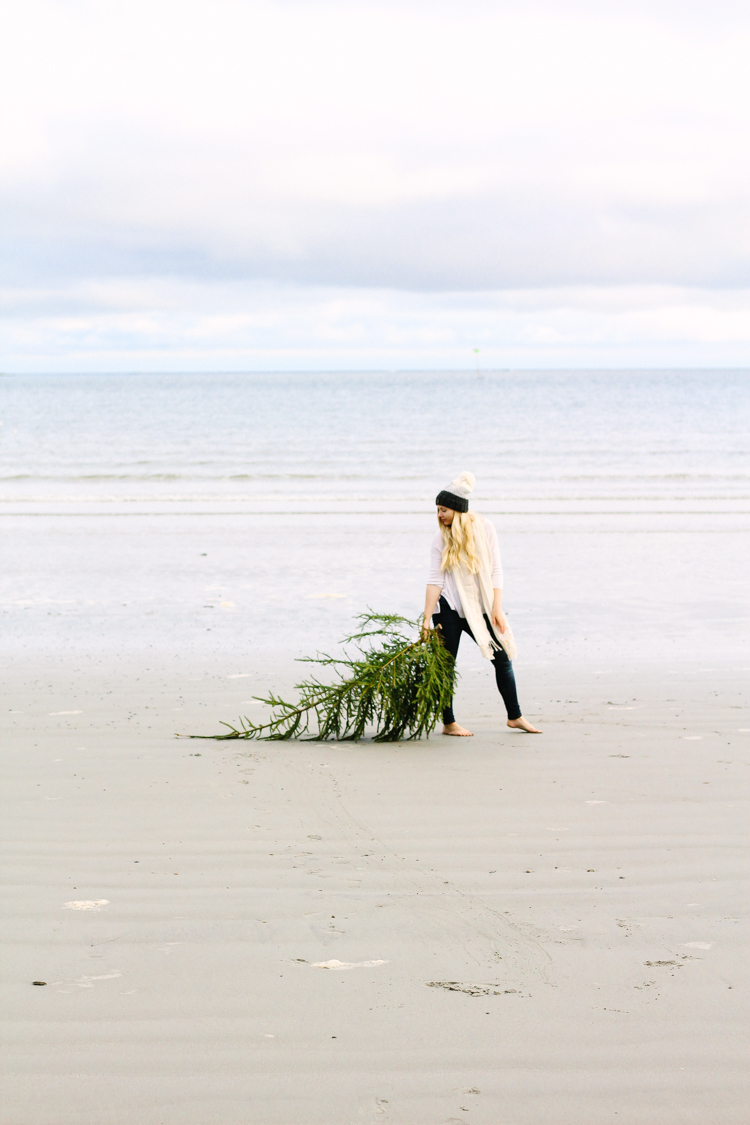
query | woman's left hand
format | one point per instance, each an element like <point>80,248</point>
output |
<point>498,618</point>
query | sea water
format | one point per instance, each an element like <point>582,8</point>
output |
<point>258,514</point>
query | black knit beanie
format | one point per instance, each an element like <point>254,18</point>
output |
<point>456,495</point>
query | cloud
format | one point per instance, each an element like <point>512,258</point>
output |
<point>369,144</point>
<point>353,148</point>
<point>166,324</point>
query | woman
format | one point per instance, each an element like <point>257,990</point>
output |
<point>466,579</point>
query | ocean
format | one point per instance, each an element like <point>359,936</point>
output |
<point>256,515</point>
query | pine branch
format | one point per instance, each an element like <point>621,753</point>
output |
<point>393,683</point>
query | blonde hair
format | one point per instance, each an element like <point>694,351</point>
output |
<point>458,543</point>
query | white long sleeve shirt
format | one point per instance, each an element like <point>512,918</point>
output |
<point>445,581</point>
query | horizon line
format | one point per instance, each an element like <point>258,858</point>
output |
<point>395,371</point>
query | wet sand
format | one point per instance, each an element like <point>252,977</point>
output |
<point>503,929</point>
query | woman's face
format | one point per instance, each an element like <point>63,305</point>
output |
<point>445,516</point>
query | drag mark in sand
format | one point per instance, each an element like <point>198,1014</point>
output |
<point>487,926</point>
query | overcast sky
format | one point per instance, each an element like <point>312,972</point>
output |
<point>241,185</point>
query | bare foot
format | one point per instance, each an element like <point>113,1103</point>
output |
<point>460,732</point>
<point>523,724</point>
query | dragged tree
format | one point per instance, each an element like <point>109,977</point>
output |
<point>386,682</point>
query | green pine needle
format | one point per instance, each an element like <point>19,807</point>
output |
<point>391,682</point>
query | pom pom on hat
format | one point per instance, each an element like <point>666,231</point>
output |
<point>463,485</point>
<point>456,495</point>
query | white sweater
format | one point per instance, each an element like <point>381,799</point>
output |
<point>445,581</point>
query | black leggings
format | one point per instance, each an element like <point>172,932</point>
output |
<point>452,626</point>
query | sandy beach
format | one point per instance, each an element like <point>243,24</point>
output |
<point>507,928</point>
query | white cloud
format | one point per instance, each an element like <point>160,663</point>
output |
<point>163,324</point>
<point>426,147</point>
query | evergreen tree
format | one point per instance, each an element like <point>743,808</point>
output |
<point>391,682</point>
